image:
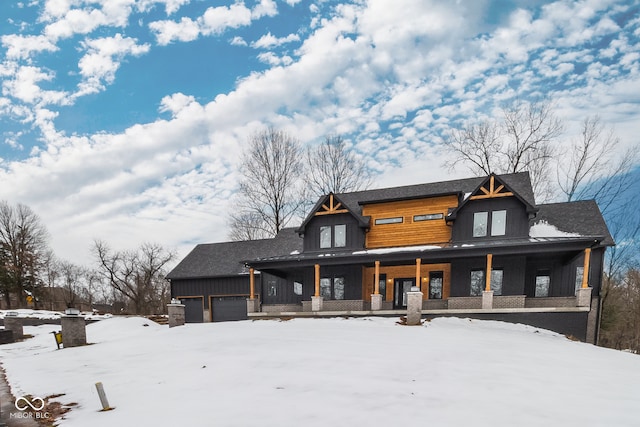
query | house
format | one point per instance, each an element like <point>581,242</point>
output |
<point>478,247</point>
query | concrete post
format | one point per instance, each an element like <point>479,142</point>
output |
<point>316,303</point>
<point>376,302</point>
<point>253,305</point>
<point>414,306</point>
<point>74,332</point>
<point>487,300</point>
<point>176,313</point>
<point>14,324</point>
<point>583,297</point>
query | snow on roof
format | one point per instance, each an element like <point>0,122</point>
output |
<point>544,229</point>
<point>397,249</point>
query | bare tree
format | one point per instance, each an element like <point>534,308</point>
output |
<point>270,193</point>
<point>23,244</point>
<point>521,141</point>
<point>137,275</point>
<point>620,327</point>
<point>332,168</point>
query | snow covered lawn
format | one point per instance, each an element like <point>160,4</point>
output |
<point>328,372</point>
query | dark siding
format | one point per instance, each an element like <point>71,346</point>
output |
<point>351,274</point>
<point>561,270</point>
<point>570,324</point>
<point>517,218</point>
<point>238,285</point>
<point>355,235</point>
<point>284,290</point>
<point>193,310</point>
<point>512,280</point>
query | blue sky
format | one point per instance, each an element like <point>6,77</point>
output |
<point>124,120</point>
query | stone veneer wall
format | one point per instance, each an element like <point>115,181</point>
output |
<point>550,302</point>
<point>508,301</point>
<point>465,303</point>
<point>434,304</point>
<point>279,308</point>
<point>336,305</point>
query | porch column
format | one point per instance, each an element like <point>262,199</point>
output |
<point>418,279</point>
<point>487,295</point>
<point>583,295</point>
<point>253,305</point>
<point>585,271</point>
<point>252,283</point>
<point>316,300</point>
<point>376,298</point>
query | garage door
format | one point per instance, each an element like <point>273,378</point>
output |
<point>229,308</point>
<point>193,310</point>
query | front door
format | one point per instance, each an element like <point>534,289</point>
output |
<point>401,287</point>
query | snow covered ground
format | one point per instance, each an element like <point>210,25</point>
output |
<point>28,313</point>
<point>328,372</point>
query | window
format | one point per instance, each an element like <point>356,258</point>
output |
<point>477,282</point>
<point>498,223</point>
<point>332,288</point>
<point>382,286</point>
<point>297,288</point>
<point>325,237</point>
<point>579,276</point>
<point>496,281</point>
<point>272,289</point>
<point>396,220</point>
<point>427,217</point>
<point>543,281</point>
<point>333,236</point>
<point>340,236</point>
<point>480,224</point>
<point>435,284</point>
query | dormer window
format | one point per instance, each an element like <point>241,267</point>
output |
<point>498,223</point>
<point>333,236</point>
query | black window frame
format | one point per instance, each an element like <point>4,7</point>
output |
<point>332,236</point>
<point>390,220</point>
<point>436,275</point>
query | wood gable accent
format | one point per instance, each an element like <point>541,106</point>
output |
<point>491,192</point>
<point>334,207</point>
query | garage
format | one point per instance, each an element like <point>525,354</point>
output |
<point>229,308</point>
<point>193,309</point>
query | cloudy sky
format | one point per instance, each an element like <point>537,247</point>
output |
<point>124,120</point>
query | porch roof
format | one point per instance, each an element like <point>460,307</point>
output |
<point>441,252</point>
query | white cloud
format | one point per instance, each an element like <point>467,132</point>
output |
<point>269,40</point>
<point>238,41</point>
<point>168,31</point>
<point>21,47</point>
<point>99,65</point>
<point>67,21</point>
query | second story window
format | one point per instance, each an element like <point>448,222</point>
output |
<point>498,223</point>
<point>333,236</point>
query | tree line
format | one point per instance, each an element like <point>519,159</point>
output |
<point>32,276</point>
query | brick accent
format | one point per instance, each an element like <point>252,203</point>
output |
<point>550,302</point>
<point>176,314</point>
<point>465,303</point>
<point>434,304</point>
<point>508,301</point>
<point>279,308</point>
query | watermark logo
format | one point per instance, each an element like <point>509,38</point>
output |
<point>29,407</point>
<point>36,403</point>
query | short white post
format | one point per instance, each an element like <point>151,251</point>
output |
<point>103,397</point>
<point>414,306</point>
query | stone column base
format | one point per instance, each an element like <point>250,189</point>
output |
<point>14,324</point>
<point>74,331</point>
<point>253,305</point>
<point>316,303</point>
<point>176,314</point>
<point>376,302</point>
<point>414,308</point>
<point>583,297</point>
<point>487,300</point>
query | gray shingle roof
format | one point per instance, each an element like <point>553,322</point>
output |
<point>518,182</point>
<point>225,259</point>
<point>582,217</point>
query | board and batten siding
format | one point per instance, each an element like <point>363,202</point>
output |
<point>409,232</point>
